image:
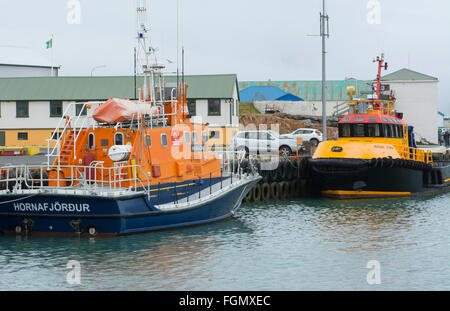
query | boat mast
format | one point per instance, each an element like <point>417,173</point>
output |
<point>381,64</point>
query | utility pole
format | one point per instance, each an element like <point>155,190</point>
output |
<point>324,33</point>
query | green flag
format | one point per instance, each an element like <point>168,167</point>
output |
<point>49,44</point>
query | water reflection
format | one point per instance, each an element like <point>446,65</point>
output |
<point>285,245</point>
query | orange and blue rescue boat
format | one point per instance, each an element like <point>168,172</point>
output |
<point>128,167</point>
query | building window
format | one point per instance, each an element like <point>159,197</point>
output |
<point>22,136</point>
<point>214,134</point>
<point>56,107</point>
<point>192,107</point>
<point>22,109</point>
<point>213,107</point>
<point>56,135</point>
<point>80,110</point>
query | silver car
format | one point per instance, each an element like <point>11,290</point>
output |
<point>263,142</point>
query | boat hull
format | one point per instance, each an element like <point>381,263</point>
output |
<point>361,179</point>
<point>63,215</point>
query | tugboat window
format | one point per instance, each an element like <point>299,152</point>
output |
<point>400,131</point>
<point>118,138</point>
<point>91,141</point>
<point>358,130</point>
<point>386,131</point>
<point>164,140</point>
<point>345,130</point>
<point>373,130</point>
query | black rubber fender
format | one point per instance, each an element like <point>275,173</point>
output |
<point>256,193</point>
<point>284,190</point>
<point>293,188</point>
<point>265,192</point>
<point>274,191</point>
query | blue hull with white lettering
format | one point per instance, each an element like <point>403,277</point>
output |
<point>83,215</point>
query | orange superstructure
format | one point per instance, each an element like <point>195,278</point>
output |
<point>165,146</point>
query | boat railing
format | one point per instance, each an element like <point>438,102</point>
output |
<point>415,154</point>
<point>95,178</point>
<point>66,123</point>
<point>207,184</point>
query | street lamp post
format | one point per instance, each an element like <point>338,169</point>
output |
<point>324,33</point>
<point>96,67</point>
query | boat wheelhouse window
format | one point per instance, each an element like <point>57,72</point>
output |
<point>347,119</point>
<point>345,130</point>
<point>358,119</point>
<point>400,131</point>
<point>386,131</point>
<point>91,141</point>
<point>148,141</point>
<point>372,119</point>
<point>164,140</point>
<point>194,138</point>
<point>373,130</point>
<point>187,138</point>
<point>118,138</point>
<point>358,130</point>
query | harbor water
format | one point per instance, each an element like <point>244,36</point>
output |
<point>303,244</point>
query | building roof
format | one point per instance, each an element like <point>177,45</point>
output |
<point>407,75</point>
<point>266,93</point>
<point>312,90</point>
<point>102,88</point>
<point>23,56</point>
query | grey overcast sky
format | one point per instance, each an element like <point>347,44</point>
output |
<point>256,39</point>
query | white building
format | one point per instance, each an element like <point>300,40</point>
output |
<point>417,98</point>
<point>23,62</point>
<point>30,108</point>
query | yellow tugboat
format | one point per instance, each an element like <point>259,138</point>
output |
<point>376,154</point>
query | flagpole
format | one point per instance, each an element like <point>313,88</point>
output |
<point>51,73</point>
